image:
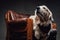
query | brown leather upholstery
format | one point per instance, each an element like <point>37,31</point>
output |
<point>18,25</point>
<point>54,26</point>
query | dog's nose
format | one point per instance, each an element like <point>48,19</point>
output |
<point>38,10</point>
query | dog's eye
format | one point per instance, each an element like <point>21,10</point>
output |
<point>44,8</point>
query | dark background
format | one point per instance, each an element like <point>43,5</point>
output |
<point>28,6</point>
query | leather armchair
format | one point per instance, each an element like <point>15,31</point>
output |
<point>19,26</point>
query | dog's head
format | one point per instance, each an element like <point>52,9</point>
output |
<point>44,14</point>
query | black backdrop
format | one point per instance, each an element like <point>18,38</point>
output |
<point>28,6</point>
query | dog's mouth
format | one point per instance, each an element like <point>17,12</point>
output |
<point>43,17</point>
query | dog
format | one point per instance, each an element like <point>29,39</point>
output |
<point>42,17</point>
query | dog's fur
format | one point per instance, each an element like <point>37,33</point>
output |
<point>42,16</point>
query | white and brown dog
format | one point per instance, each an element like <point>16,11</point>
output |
<point>43,17</point>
